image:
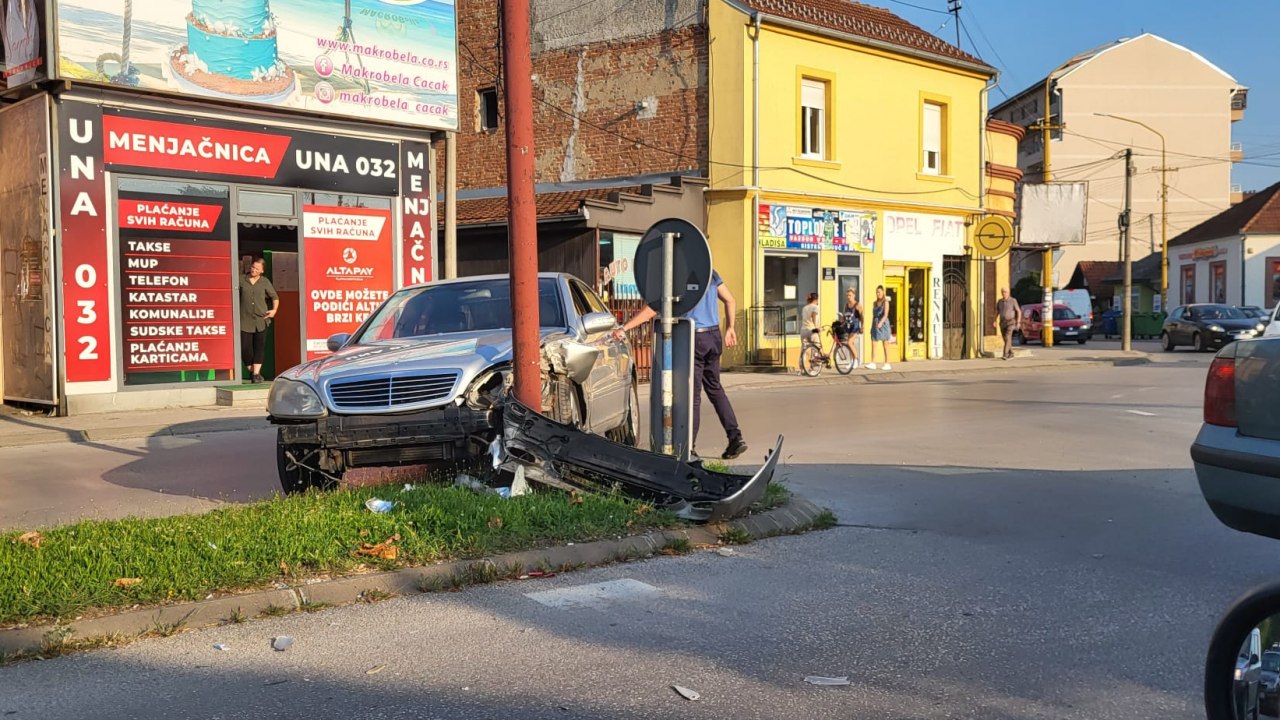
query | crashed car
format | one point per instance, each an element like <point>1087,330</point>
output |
<point>418,381</point>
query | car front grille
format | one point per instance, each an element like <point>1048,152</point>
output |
<point>394,392</point>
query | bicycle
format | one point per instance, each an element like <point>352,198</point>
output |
<point>813,360</point>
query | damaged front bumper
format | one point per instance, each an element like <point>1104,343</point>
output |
<point>452,432</point>
<point>561,456</point>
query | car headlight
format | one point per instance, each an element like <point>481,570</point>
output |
<point>1260,328</point>
<point>1216,328</point>
<point>1085,326</point>
<point>292,399</point>
<point>1239,674</point>
<point>487,388</point>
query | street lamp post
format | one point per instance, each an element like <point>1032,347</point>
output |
<point>1164,209</point>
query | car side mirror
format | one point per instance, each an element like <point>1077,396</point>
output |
<point>599,322</point>
<point>1227,691</point>
<point>335,342</point>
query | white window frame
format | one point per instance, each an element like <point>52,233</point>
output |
<point>813,119</point>
<point>933,122</point>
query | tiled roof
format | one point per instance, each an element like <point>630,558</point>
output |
<point>1259,213</point>
<point>1096,273</point>
<point>1145,270</point>
<point>479,211</point>
<point>866,21</point>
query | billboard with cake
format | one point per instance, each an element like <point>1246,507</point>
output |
<point>386,60</point>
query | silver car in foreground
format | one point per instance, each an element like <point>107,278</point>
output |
<point>417,381</point>
<point>1237,453</point>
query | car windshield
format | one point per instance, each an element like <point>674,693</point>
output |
<point>456,307</point>
<point>1251,312</point>
<point>1271,661</point>
<point>1219,312</point>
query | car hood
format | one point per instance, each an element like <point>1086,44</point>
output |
<point>469,352</point>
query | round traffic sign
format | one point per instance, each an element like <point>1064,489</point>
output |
<point>993,238</point>
<point>691,265</point>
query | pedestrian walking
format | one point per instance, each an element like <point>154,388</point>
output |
<point>881,330</point>
<point>255,317</point>
<point>707,346</point>
<point>851,323</point>
<point>1008,312</point>
<point>809,315</point>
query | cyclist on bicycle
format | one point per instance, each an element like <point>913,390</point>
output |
<point>812,331</point>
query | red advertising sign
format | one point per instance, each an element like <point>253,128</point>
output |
<point>157,144</point>
<point>348,265</point>
<point>416,226</point>
<point>176,291</point>
<point>163,215</point>
<point>86,319</point>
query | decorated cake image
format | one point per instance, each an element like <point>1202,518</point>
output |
<point>232,52</point>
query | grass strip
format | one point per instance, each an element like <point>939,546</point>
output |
<point>74,569</point>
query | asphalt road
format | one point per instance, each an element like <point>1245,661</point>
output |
<point>1021,545</point>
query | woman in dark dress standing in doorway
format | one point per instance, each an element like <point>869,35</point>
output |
<point>255,316</point>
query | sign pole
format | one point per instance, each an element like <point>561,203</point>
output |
<point>668,267</point>
<point>1126,335</point>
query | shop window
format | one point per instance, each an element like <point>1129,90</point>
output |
<point>177,299</point>
<point>813,119</point>
<point>917,309</point>
<point>487,110</point>
<point>337,200</point>
<point>849,260</point>
<point>1271,288</point>
<point>934,129</point>
<point>1218,282</point>
<point>788,279</point>
<point>257,202</point>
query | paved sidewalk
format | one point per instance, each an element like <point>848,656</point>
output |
<point>19,428</point>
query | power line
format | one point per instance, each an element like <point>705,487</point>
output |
<point>920,7</point>
<point>981,33</point>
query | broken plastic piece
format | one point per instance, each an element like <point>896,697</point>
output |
<point>503,492</point>
<point>686,693</point>
<point>466,481</point>
<point>519,486</point>
<point>219,646</point>
<point>375,670</point>
<point>282,643</point>
<point>408,487</point>
<point>379,506</point>
<point>820,680</point>
<point>496,452</point>
<point>726,552</point>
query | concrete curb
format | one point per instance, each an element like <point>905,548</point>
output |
<point>831,378</point>
<point>106,434</point>
<point>794,517</point>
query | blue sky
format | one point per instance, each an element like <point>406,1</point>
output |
<point>1027,39</point>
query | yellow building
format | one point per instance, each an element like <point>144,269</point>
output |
<point>847,151</point>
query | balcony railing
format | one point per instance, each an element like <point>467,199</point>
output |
<point>1237,194</point>
<point>1237,152</point>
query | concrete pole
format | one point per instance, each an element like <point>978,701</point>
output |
<point>523,223</point>
<point>668,321</point>
<point>1126,335</point>
<point>451,205</point>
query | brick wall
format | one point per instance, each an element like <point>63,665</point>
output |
<point>603,83</point>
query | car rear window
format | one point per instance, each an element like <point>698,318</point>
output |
<point>457,307</point>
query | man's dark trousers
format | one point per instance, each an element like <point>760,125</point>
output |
<point>707,346</point>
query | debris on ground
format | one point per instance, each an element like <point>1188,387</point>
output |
<point>33,538</point>
<point>466,481</point>
<point>726,552</point>
<point>831,681</point>
<point>495,522</point>
<point>126,583</point>
<point>385,550</point>
<point>282,643</point>
<point>520,485</point>
<point>375,670</point>
<point>686,693</point>
<point>379,506</point>
<point>408,487</point>
<point>275,682</point>
<point>219,646</point>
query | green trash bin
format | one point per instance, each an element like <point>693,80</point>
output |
<point>1147,325</point>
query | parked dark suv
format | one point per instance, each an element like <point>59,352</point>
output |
<point>1207,327</point>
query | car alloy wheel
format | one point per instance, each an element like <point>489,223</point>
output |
<point>1197,342</point>
<point>1166,342</point>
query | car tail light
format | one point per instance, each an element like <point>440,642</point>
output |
<point>1220,393</point>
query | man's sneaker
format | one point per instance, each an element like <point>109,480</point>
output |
<point>736,448</point>
<point>871,366</point>
<point>887,366</point>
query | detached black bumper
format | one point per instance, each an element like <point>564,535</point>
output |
<point>367,440</point>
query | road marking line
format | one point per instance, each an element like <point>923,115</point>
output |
<point>1139,412</point>
<point>596,595</point>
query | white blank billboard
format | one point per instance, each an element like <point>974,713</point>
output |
<point>1052,213</point>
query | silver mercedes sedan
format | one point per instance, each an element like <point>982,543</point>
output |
<point>417,381</point>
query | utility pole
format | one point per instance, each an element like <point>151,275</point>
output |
<point>1047,126</point>
<point>517,67</point>
<point>953,7</point>
<point>450,205</point>
<point>1126,335</point>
